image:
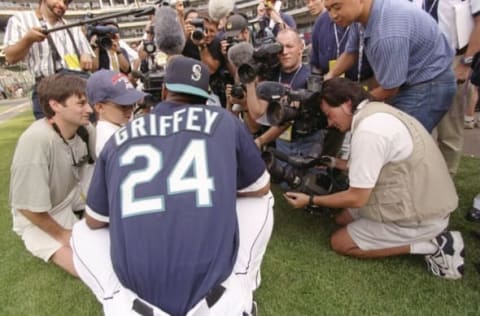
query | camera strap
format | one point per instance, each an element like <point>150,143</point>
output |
<point>55,54</point>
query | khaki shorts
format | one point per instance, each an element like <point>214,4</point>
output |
<point>41,244</point>
<point>372,235</point>
<point>38,242</point>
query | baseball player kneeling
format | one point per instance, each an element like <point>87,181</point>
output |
<point>179,209</point>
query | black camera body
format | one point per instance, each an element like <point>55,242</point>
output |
<point>152,84</point>
<point>301,175</point>
<point>199,31</point>
<point>265,64</point>
<point>300,106</point>
<point>104,35</point>
<point>231,40</point>
<point>238,91</point>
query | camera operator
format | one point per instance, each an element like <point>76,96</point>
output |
<point>25,41</point>
<point>236,31</point>
<point>210,53</point>
<point>267,11</point>
<point>293,74</point>
<point>400,195</point>
<point>190,49</point>
<point>105,41</point>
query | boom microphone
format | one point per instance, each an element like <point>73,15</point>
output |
<point>169,35</point>
<point>240,54</point>
<point>218,9</point>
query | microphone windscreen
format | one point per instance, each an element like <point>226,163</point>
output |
<point>270,90</point>
<point>169,35</point>
<point>240,54</point>
<point>218,9</point>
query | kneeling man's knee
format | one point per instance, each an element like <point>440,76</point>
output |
<point>340,241</point>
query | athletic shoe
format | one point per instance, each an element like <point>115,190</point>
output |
<point>473,215</point>
<point>469,123</point>
<point>254,309</point>
<point>448,261</point>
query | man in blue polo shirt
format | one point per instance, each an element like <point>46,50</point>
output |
<point>185,195</point>
<point>410,57</point>
<point>328,43</point>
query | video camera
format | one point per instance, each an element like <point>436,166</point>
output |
<point>265,63</point>
<point>152,76</point>
<point>300,106</point>
<point>261,33</point>
<point>104,34</point>
<point>300,174</point>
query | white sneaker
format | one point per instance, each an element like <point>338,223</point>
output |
<point>469,123</point>
<point>448,261</point>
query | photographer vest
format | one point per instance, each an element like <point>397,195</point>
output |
<point>414,189</point>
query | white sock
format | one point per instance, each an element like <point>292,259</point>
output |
<point>476,202</point>
<point>423,248</point>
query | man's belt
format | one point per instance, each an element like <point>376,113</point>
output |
<point>211,299</point>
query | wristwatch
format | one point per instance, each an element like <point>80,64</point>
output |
<point>466,60</point>
<point>310,200</point>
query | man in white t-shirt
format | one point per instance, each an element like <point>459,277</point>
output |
<point>400,195</point>
<point>114,99</point>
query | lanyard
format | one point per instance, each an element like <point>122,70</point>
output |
<point>293,78</point>
<point>337,41</point>
<point>360,53</point>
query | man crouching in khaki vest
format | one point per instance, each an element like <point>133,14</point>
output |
<point>400,195</point>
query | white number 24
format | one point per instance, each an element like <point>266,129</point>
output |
<point>194,158</point>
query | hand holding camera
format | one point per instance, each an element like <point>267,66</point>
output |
<point>328,161</point>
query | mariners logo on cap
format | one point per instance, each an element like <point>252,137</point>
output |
<point>196,72</point>
<point>229,26</point>
<point>122,78</point>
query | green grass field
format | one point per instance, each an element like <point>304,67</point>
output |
<point>301,275</point>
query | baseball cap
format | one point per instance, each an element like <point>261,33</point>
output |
<point>188,76</point>
<point>235,24</point>
<point>107,85</point>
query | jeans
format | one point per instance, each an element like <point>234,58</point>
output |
<point>311,145</point>
<point>302,146</point>
<point>37,109</point>
<point>428,101</point>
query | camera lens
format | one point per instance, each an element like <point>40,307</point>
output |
<point>105,42</point>
<point>246,73</point>
<point>197,34</point>
<point>237,91</point>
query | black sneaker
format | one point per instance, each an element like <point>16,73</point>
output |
<point>473,215</point>
<point>254,309</point>
<point>448,261</point>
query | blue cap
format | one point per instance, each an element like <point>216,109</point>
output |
<point>107,85</point>
<point>188,76</point>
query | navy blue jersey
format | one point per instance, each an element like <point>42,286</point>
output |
<point>167,182</point>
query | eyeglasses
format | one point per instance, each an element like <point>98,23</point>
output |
<point>75,163</point>
<point>82,161</point>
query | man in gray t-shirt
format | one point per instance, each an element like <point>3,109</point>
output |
<point>50,164</point>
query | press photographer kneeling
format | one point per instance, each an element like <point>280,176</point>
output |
<point>400,195</point>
